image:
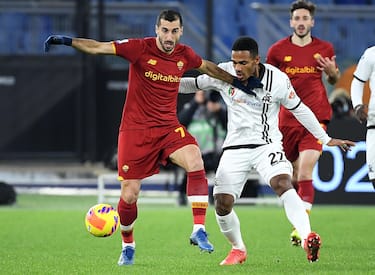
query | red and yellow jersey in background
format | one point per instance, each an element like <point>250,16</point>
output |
<point>300,64</point>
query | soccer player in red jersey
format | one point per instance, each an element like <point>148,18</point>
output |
<point>304,58</point>
<point>150,132</point>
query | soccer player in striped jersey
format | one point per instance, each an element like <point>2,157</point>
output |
<point>366,71</point>
<point>254,141</point>
<point>304,59</point>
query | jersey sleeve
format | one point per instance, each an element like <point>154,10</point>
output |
<point>130,49</point>
<point>195,61</point>
<point>361,74</point>
<point>307,118</point>
<point>356,91</point>
<point>205,82</point>
<point>289,99</point>
<point>363,70</point>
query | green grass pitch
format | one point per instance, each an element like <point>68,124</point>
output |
<point>46,235</point>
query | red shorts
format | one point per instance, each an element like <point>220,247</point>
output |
<point>298,139</point>
<point>141,151</point>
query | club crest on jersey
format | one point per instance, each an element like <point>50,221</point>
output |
<point>180,65</point>
<point>152,61</point>
<point>287,58</point>
<point>291,95</point>
<point>267,98</point>
<point>231,91</point>
<point>317,55</point>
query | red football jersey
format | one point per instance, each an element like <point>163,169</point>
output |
<point>300,65</point>
<point>154,79</point>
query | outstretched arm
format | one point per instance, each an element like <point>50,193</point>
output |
<point>215,71</point>
<point>85,45</point>
<point>307,118</point>
<point>188,85</point>
<point>92,46</point>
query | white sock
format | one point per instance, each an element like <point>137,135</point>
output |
<point>296,213</point>
<point>128,244</point>
<point>230,227</point>
<point>127,227</point>
<point>196,227</point>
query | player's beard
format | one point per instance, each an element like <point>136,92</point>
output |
<point>301,35</point>
<point>168,46</point>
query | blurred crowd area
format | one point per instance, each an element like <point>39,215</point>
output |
<point>210,26</point>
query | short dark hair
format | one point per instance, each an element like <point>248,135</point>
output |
<point>302,4</point>
<point>169,15</point>
<point>245,43</point>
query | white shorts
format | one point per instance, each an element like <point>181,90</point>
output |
<point>235,165</point>
<point>370,153</point>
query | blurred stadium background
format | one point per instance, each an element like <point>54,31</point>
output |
<point>61,110</point>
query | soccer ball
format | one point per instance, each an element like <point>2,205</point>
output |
<point>102,220</point>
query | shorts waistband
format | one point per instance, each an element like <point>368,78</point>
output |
<point>243,146</point>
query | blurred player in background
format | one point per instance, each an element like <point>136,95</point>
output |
<point>304,59</point>
<point>366,71</point>
<point>150,132</point>
<point>205,117</point>
<point>254,141</point>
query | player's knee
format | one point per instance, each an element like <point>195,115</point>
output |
<point>281,183</point>
<point>129,191</point>
<point>223,204</point>
<point>195,164</point>
<point>305,175</point>
<point>129,198</point>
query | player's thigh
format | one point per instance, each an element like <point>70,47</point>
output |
<point>232,172</point>
<point>137,155</point>
<point>188,157</point>
<point>291,139</point>
<point>271,161</point>
<point>307,161</point>
<point>370,152</point>
<point>180,147</point>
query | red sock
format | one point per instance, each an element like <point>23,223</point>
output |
<point>128,214</point>
<point>306,191</point>
<point>197,192</point>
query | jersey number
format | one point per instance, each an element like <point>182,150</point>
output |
<point>181,131</point>
<point>276,157</point>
